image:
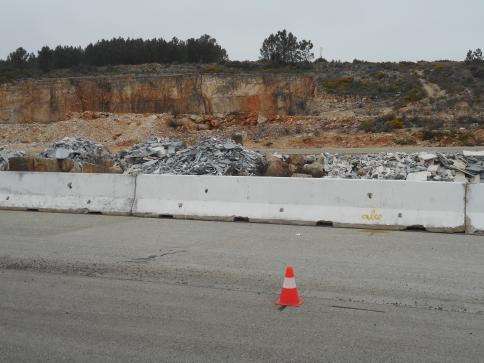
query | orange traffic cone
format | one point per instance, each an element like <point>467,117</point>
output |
<point>289,295</point>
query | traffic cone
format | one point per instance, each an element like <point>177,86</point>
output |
<point>289,295</point>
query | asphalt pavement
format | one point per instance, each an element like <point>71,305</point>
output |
<point>104,288</point>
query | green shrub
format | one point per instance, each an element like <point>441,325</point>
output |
<point>432,124</point>
<point>405,141</point>
<point>385,123</point>
<point>414,95</point>
<point>366,126</point>
<point>380,75</point>
<point>173,123</point>
<point>397,124</point>
<point>467,121</point>
<point>465,137</point>
<point>339,85</point>
<point>428,134</point>
<point>439,67</point>
<point>213,68</point>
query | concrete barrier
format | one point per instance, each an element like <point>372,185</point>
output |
<point>67,192</point>
<point>475,209</point>
<point>434,206</point>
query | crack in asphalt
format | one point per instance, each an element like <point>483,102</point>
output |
<point>153,257</point>
<point>353,308</point>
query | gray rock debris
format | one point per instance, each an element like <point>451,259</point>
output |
<point>6,154</point>
<point>403,166</point>
<point>79,149</point>
<point>475,154</point>
<point>210,156</point>
<point>147,151</point>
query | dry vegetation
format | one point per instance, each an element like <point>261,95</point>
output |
<point>385,104</point>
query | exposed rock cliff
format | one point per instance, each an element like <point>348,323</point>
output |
<point>49,100</point>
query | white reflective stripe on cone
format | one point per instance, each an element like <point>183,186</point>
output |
<point>289,283</point>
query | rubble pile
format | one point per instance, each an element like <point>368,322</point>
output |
<point>78,149</point>
<point>6,154</point>
<point>147,151</point>
<point>219,156</point>
<point>210,156</point>
<point>403,166</point>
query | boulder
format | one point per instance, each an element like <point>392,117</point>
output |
<point>238,138</point>
<point>40,164</point>
<point>277,167</point>
<point>66,165</point>
<point>105,167</point>
<point>316,170</point>
<point>203,127</point>
<point>188,124</point>
<point>196,118</point>
<point>215,123</point>
<point>261,120</point>
<point>298,161</point>
<point>21,164</point>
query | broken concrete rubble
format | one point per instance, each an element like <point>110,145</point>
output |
<point>224,157</point>
<point>78,149</point>
<point>425,156</point>
<point>210,156</point>
<point>418,176</point>
<point>403,166</point>
<point>6,154</point>
<point>147,151</point>
<point>475,154</point>
<point>214,156</point>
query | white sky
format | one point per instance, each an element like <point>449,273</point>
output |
<point>376,30</point>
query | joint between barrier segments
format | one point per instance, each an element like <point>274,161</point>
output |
<point>466,191</point>
<point>134,195</point>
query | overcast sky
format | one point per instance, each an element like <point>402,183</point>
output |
<point>345,29</point>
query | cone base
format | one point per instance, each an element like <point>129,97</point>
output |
<point>278,302</point>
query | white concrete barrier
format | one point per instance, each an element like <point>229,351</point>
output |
<point>435,206</point>
<point>67,192</point>
<point>475,208</point>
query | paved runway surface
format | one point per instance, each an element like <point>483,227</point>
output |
<point>102,288</point>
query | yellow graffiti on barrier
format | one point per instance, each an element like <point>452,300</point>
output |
<point>372,216</point>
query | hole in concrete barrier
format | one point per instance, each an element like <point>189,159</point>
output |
<point>165,216</point>
<point>324,224</point>
<point>98,213</point>
<point>400,215</point>
<point>417,227</point>
<point>32,210</point>
<point>180,205</point>
<point>241,219</point>
<point>206,191</point>
<point>69,185</point>
<point>8,198</point>
<point>370,195</point>
<point>89,201</point>
<point>281,210</point>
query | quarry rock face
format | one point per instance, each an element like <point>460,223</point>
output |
<point>50,100</point>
